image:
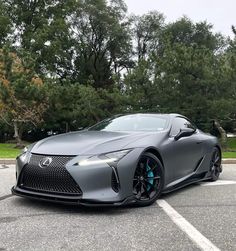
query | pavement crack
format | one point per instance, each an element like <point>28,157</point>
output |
<point>8,219</point>
<point>4,167</point>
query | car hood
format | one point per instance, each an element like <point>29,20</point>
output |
<point>86,143</point>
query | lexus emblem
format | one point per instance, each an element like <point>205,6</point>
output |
<point>45,162</point>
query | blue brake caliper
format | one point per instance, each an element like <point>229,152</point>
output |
<point>150,174</point>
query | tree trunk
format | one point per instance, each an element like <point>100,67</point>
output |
<point>67,126</point>
<point>17,135</point>
<point>223,134</point>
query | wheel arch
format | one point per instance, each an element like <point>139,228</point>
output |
<point>219,148</point>
<point>156,153</point>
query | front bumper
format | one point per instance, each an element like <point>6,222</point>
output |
<point>95,183</point>
<point>68,200</point>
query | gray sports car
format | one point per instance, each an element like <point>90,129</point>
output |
<point>121,160</point>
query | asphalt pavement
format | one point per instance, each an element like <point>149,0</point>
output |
<point>199,217</point>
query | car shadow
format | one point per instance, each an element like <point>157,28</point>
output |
<point>57,208</point>
<point>52,208</point>
<point>180,191</point>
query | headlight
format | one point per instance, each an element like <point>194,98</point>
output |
<point>25,150</point>
<point>25,154</point>
<point>104,158</point>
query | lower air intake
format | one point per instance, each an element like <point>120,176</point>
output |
<point>114,181</point>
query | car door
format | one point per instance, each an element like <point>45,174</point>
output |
<point>185,153</point>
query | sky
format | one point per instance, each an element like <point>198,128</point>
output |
<point>220,13</point>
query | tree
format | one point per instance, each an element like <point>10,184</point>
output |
<point>42,29</point>
<point>91,56</point>
<point>234,30</point>
<point>197,81</point>
<point>139,87</point>
<point>5,24</point>
<point>74,106</point>
<point>102,42</point>
<point>147,30</point>
<point>186,32</point>
<point>84,41</point>
<point>187,73</point>
<point>22,99</point>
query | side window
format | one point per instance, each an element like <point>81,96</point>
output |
<point>180,123</point>
<point>190,125</point>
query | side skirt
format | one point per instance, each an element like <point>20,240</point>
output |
<point>186,183</point>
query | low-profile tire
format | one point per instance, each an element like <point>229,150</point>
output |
<point>215,164</point>
<point>148,180</point>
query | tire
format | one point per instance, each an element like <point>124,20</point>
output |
<point>148,180</point>
<point>215,164</point>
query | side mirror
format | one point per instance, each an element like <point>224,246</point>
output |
<point>185,132</point>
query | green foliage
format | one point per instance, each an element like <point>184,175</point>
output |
<point>189,73</point>
<point>22,95</point>
<point>140,88</point>
<point>82,40</point>
<point>185,32</point>
<point>147,30</point>
<point>5,24</point>
<point>95,61</point>
<point>80,105</point>
<point>41,28</point>
<point>102,42</point>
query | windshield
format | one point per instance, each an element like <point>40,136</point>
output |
<point>135,122</point>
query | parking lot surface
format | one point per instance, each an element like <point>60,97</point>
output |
<point>199,217</point>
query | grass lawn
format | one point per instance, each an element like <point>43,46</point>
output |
<point>232,144</point>
<point>8,150</point>
<point>229,155</point>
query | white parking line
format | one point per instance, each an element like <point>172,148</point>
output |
<point>202,242</point>
<point>218,183</point>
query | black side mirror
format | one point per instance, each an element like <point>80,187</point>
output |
<point>185,132</point>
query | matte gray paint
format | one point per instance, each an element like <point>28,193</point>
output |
<point>180,158</point>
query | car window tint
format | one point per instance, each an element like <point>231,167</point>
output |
<point>180,123</point>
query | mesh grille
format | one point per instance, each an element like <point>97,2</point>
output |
<point>54,179</point>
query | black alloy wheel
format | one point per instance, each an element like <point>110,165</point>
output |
<point>215,165</point>
<point>148,180</point>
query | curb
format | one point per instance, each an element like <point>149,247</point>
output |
<point>228,161</point>
<point>13,161</point>
<point>7,161</point>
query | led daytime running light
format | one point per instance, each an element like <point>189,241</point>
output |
<point>88,162</point>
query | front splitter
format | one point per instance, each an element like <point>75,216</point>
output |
<point>69,200</point>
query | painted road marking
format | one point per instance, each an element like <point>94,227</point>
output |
<point>202,242</point>
<point>218,183</point>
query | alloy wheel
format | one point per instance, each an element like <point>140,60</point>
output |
<point>215,167</point>
<point>147,179</point>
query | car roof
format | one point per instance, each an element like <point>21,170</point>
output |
<point>158,114</point>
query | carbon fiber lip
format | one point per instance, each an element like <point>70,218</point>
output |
<point>68,200</point>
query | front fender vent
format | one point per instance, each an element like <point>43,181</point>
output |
<point>115,184</point>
